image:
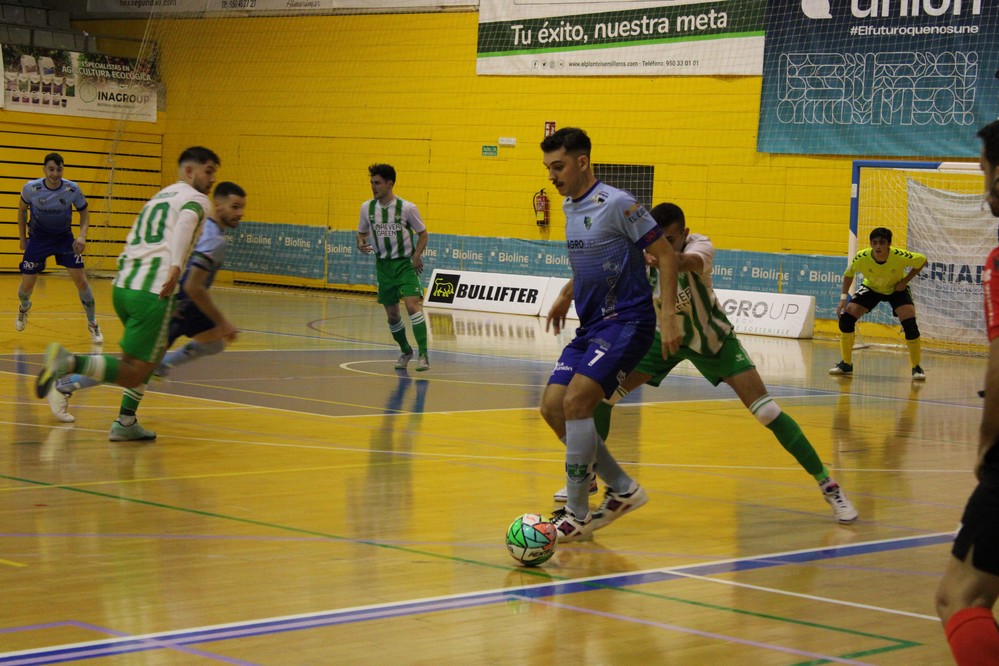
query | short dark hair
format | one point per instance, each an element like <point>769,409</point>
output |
<point>881,232</point>
<point>199,154</point>
<point>574,140</point>
<point>668,214</point>
<point>53,157</point>
<point>990,142</point>
<point>386,171</point>
<point>225,188</point>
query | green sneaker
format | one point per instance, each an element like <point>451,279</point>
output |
<point>132,433</point>
<point>56,365</point>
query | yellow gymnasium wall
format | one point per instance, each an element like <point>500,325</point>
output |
<point>298,107</point>
<point>115,188</point>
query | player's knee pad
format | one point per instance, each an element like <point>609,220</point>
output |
<point>766,410</point>
<point>847,322</point>
<point>910,328</point>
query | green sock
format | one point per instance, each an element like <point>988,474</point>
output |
<point>130,400</point>
<point>419,332</point>
<point>789,434</point>
<point>102,367</point>
<point>601,419</point>
<point>399,334</point>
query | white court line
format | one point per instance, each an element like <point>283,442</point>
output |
<point>809,597</point>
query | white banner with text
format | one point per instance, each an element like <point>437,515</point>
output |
<point>779,315</point>
<point>489,292</point>
<point>755,313</point>
<point>621,38</point>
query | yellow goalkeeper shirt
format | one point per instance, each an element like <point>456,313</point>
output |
<point>882,278</point>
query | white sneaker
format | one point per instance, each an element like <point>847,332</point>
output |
<point>616,505</point>
<point>59,404</point>
<point>95,333</point>
<point>132,433</point>
<point>404,360</point>
<point>423,363</point>
<point>562,496</point>
<point>843,509</point>
<point>569,528</point>
<point>22,319</point>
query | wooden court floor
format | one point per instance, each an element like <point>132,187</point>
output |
<point>305,503</point>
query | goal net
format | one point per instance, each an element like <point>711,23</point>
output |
<point>936,209</point>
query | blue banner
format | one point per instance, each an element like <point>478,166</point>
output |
<point>276,249</point>
<point>878,77</point>
<point>280,249</point>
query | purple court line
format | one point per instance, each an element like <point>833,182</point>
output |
<point>117,646</point>
<point>696,632</point>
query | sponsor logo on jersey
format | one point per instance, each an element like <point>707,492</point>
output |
<point>561,367</point>
<point>635,212</point>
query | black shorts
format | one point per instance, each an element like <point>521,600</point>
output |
<point>868,298</point>
<point>980,522</point>
<point>188,321</point>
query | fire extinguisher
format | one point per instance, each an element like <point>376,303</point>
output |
<point>542,208</point>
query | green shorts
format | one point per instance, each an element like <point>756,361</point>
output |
<point>396,279</point>
<point>146,319</point>
<point>730,360</point>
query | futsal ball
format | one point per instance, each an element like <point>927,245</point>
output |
<point>531,539</point>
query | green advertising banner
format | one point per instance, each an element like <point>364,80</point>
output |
<point>623,38</point>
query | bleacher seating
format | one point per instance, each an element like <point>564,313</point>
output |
<point>31,23</point>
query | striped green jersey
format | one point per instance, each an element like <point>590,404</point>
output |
<point>705,326</point>
<point>393,228</point>
<point>156,237</point>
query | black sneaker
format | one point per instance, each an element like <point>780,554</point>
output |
<point>841,368</point>
<point>918,374</point>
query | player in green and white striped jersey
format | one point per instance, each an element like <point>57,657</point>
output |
<point>398,237</point>
<point>149,269</point>
<point>710,344</point>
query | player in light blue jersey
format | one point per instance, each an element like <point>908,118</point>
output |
<point>49,233</point>
<point>606,232</point>
<point>195,314</point>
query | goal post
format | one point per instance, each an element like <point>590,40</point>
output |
<point>935,209</point>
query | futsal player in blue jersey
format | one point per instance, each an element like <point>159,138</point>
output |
<point>606,231</point>
<point>49,233</point>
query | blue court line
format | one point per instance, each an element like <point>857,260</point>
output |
<point>157,641</point>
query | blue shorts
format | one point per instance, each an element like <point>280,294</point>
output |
<point>605,352</point>
<point>188,320</point>
<point>41,248</point>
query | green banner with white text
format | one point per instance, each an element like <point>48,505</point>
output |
<point>623,38</point>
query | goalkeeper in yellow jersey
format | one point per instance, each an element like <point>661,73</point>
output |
<point>885,279</point>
